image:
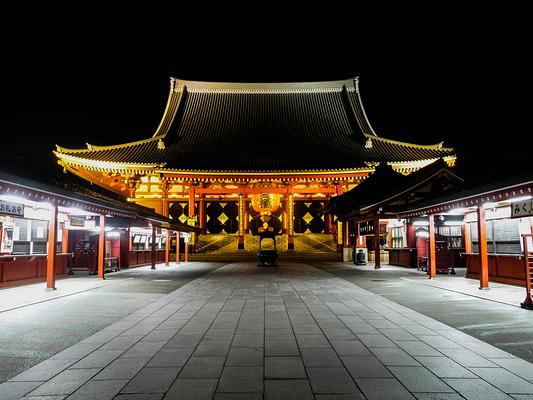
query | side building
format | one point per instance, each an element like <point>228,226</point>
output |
<point>234,158</point>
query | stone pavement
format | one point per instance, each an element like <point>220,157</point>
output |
<point>287,332</point>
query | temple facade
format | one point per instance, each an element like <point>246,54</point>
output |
<point>235,158</point>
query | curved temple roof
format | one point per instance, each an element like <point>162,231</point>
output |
<point>260,127</point>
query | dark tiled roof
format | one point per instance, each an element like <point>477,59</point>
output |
<point>258,127</point>
<point>386,185</point>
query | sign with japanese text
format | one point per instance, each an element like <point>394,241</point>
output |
<point>522,209</point>
<point>11,208</point>
<point>77,221</point>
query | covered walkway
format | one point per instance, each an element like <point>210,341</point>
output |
<point>291,332</point>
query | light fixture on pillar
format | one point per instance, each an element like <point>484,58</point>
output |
<point>368,143</point>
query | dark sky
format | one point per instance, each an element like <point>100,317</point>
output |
<point>446,83</point>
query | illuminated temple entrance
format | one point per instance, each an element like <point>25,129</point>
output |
<point>232,158</point>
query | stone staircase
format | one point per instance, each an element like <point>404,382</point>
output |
<point>223,248</point>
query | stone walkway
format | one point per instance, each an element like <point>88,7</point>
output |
<point>289,332</point>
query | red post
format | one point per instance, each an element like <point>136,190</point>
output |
<point>186,252</point>
<point>377,249</point>
<point>177,247</point>
<point>152,253</point>
<point>167,247</point>
<point>201,212</point>
<point>101,247</point>
<point>432,268</point>
<point>64,239</point>
<point>51,261</point>
<point>482,247</point>
<point>468,238</point>
<point>528,302</point>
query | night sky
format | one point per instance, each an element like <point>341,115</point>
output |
<point>423,87</point>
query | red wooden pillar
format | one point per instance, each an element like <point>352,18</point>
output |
<point>51,261</point>
<point>201,212</point>
<point>101,247</point>
<point>468,239</point>
<point>246,217</point>
<point>328,220</point>
<point>167,247</point>
<point>152,252</point>
<point>377,248</point>
<point>177,247</point>
<point>482,244</point>
<point>240,238</point>
<point>186,256</point>
<point>432,268</point>
<point>290,221</point>
<point>64,239</point>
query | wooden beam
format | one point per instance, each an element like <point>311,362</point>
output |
<point>432,268</point>
<point>177,247</point>
<point>152,252</point>
<point>51,261</point>
<point>377,248</point>
<point>167,247</point>
<point>101,247</point>
<point>482,248</point>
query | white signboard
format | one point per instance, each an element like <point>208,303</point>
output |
<point>522,209</point>
<point>11,208</point>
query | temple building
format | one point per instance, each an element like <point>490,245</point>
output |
<point>235,158</point>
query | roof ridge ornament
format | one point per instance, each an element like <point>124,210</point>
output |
<point>160,144</point>
<point>368,143</point>
<point>356,83</point>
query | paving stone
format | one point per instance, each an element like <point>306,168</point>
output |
<point>279,334</point>
<point>504,380</point>
<point>338,334</point>
<point>467,358</point>
<point>331,380</point>
<point>184,340</point>
<point>417,348</point>
<point>376,340</point>
<point>54,397</point>
<point>122,368</point>
<point>44,370</point>
<point>281,348</point>
<point>438,396</point>
<point>248,341</point>
<point>320,358</point>
<point>245,357</point>
<point>97,390</point>
<point>445,367</point>
<point>306,329</point>
<point>98,359</point>
<point>212,348</point>
<point>121,342</point>
<point>152,380</point>
<point>284,368</point>
<point>419,379</point>
<point>365,367</point>
<point>202,367</point>
<point>383,389</point>
<point>159,335</point>
<point>16,390</point>
<point>241,379</point>
<point>65,382</point>
<point>79,350</point>
<point>476,389</point>
<point>312,341</point>
<point>238,396</point>
<point>350,348</point>
<point>140,329</point>
<point>439,342</point>
<point>219,334</point>
<point>144,396</point>
<point>517,366</point>
<point>170,358</point>
<point>351,396</point>
<point>397,334</point>
<point>294,389</point>
<point>394,356</point>
<point>143,349</point>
